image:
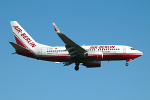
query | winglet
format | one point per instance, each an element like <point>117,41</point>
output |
<point>56,28</point>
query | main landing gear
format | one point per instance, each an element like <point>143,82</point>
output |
<point>77,66</point>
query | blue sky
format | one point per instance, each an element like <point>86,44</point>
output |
<point>120,22</point>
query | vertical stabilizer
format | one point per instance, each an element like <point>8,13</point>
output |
<point>22,37</point>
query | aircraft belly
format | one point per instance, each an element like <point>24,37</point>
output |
<point>120,56</point>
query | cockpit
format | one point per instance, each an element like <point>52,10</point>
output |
<point>132,48</point>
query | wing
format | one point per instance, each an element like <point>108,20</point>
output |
<point>75,51</point>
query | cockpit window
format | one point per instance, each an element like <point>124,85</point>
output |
<point>132,48</point>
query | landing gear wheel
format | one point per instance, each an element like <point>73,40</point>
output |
<point>77,65</point>
<point>76,68</point>
<point>127,64</point>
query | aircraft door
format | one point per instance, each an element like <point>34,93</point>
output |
<point>39,52</point>
<point>124,49</point>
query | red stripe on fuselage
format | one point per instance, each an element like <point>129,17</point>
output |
<point>106,56</point>
<point>120,56</point>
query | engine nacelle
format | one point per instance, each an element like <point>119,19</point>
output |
<point>86,55</point>
<point>92,64</point>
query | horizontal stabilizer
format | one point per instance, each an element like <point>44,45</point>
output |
<point>18,47</point>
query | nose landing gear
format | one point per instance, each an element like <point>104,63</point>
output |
<point>127,63</point>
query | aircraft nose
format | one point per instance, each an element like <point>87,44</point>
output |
<point>141,53</point>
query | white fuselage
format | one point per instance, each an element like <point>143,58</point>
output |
<point>108,52</point>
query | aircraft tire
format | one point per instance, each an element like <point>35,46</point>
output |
<point>76,68</point>
<point>127,64</point>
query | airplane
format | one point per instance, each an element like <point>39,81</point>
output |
<point>89,56</point>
